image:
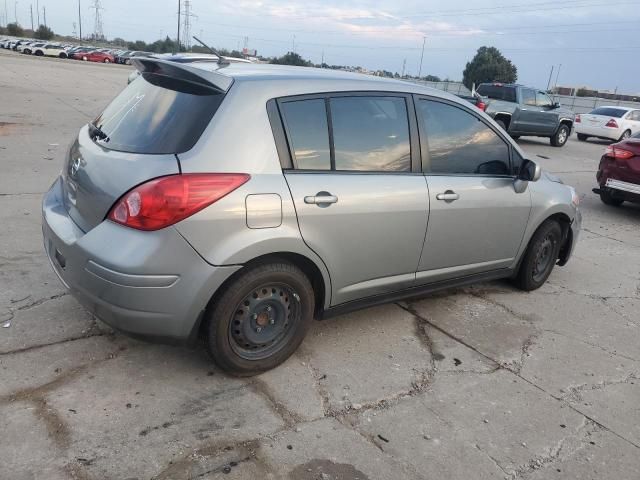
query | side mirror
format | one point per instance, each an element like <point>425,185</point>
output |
<point>529,171</point>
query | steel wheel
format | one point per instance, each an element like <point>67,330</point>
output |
<point>544,257</point>
<point>262,321</point>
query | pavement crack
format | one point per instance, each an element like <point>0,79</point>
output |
<point>89,334</point>
<point>289,418</point>
<point>40,301</point>
<point>575,392</point>
<point>493,460</point>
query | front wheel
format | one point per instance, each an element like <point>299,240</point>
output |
<point>625,135</point>
<point>540,257</point>
<point>561,136</point>
<point>608,199</point>
<point>106,60</point>
<point>260,319</point>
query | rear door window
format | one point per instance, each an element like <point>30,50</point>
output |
<point>157,115</point>
<point>371,134</point>
<point>460,143</point>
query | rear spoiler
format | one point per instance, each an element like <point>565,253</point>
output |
<point>209,78</point>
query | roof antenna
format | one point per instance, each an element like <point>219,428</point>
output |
<point>221,59</point>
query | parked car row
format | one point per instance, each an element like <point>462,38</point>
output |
<point>75,52</point>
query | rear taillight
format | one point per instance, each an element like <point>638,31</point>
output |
<point>167,200</point>
<point>481,105</point>
<point>618,153</point>
<point>578,119</point>
<point>612,123</point>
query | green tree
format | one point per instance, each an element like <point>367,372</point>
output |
<point>489,65</point>
<point>14,30</point>
<point>291,58</point>
<point>431,78</point>
<point>44,33</point>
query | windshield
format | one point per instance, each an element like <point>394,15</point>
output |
<point>609,112</point>
<point>157,115</point>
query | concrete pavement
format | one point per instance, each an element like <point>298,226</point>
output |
<point>485,382</point>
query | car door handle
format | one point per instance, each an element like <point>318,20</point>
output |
<point>321,199</point>
<point>448,196</point>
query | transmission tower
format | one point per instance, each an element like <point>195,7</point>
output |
<point>98,33</point>
<point>186,27</point>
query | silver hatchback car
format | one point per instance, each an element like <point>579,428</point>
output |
<point>239,202</point>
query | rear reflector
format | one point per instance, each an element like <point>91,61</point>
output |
<point>618,153</point>
<point>167,200</point>
<point>612,123</point>
<point>481,105</point>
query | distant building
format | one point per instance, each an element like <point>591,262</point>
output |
<point>585,91</point>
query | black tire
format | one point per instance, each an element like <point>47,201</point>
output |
<point>272,303</point>
<point>515,137</point>
<point>626,134</point>
<point>582,137</point>
<point>609,199</point>
<point>561,136</point>
<point>502,124</point>
<point>540,257</point>
<point>39,53</point>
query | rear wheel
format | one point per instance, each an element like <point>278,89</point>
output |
<point>260,319</point>
<point>106,60</point>
<point>609,199</point>
<point>39,53</point>
<point>502,124</point>
<point>582,137</point>
<point>561,136</point>
<point>625,135</point>
<point>540,257</point>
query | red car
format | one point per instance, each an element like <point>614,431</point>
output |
<point>619,172</point>
<point>95,56</point>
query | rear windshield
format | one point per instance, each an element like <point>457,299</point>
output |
<point>497,92</point>
<point>157,115</point>
<point>609,112</point>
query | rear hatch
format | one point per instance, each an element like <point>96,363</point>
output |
<point>136,138</point>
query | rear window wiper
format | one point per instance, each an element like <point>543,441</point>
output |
<point>96,132</point>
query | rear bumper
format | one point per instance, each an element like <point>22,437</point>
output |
<point>599,132</point>
<point>150,284</point>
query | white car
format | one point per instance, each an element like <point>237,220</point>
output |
<point>28,48</point>
<point>50,50</point>
<point>612,123</point>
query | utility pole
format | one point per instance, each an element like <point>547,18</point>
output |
<point>293,44</point>
<point>404,65</point>
<point>6,13</point>
<point>15,11</point>
<point>179,18</point>
<point>550,77</point>
<point>31,10</point>
<point>424,39</point>
<point>44,13</point>
<point>38,11</point>
<point>79,21</point>
<point>322,62</point>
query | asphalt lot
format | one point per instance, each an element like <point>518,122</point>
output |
<point>485,382</point>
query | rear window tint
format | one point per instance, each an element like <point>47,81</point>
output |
<point>498,92</point>
<point>157,115</point>
<point>609,112</point>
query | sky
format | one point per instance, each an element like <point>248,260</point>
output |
<point>594,43</point>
